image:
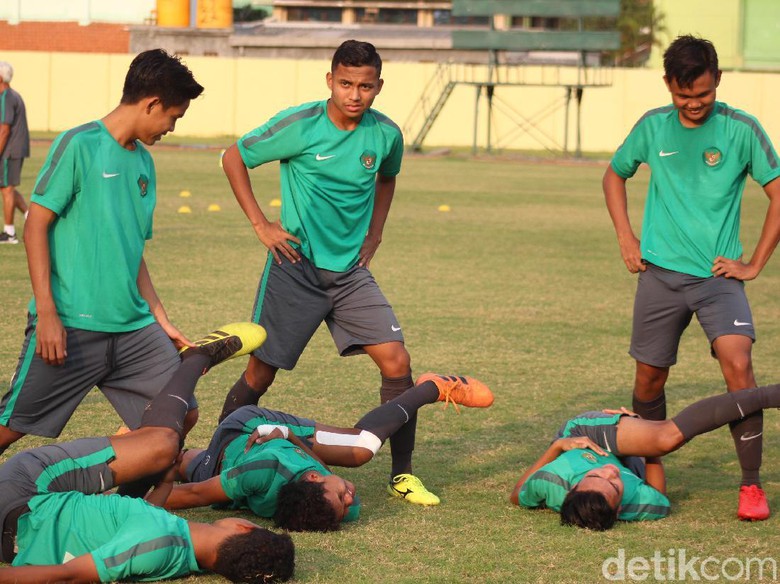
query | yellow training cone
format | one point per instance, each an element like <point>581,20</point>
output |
<point>214,207</point>
<point>444,208</point>
<point>185,194</point>
<point>185,209</point>
<point>276,202</point>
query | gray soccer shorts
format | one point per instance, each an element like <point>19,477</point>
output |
<point>129,368</point>
<point>665,302</point>
<point>10,172</point>
<point>293,300</point>
<point>601,428</point>
<point>242,422</point>
<point>80,465</point>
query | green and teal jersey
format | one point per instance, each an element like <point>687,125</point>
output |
<point>127,538</point>
<point>253,479</point>
<point>328,176</point>
<point>549,485</point>
<point>692,212</point>
<point>104,198</point>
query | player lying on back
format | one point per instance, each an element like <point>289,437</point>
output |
<point>275,464</point>
<point>57,528</point>
<point>595,490</point>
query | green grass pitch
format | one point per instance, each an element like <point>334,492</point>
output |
<point>521,285</point>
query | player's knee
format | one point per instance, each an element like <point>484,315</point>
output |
<point>397,364</point>
<point>669,438</point>
<point>8,437</point>
<point>165,447</point>
<point>190,420</point>
<point>259,376</point>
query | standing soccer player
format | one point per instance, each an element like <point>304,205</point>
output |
<point>95,318</point>
<point>14,148</point>
<point>338,159</point>
<point>689,259</point>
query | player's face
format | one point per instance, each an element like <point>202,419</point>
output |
<point>605,480</point>
<point>160,120</point>
<point>352,91</point>
<point>339,493</point>
<point>694,103</point>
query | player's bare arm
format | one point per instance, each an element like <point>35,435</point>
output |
<point>616,198</point>
<point>383,198</point>
<point>770,235</point>
<point>189,495</point>
<point>50,335</point>
<point>272,235</point>
<point>80,569</point>
<point>5,132</point>
<point>554,451</point>
<point>146,288</point>
<point>654,473</point>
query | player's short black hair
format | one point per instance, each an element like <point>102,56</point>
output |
<point>589,510</point>
<point>357,54</point>
<point>256,557</point>
<point>155,73</point>
<point>301,506</point>
<point>688,58</point>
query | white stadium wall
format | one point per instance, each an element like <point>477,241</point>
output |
<point>62,90</point>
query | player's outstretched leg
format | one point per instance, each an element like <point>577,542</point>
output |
<point>455,389</point>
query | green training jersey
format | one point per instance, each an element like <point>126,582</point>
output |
<point>693,205</point>
<point>328,176</point>
<point>127,538</point>
<point>549,485</point>
<point>253,479</point>
<point>104,198</point>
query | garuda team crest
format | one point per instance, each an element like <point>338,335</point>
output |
<point>712,156</point>
<point>368,159</point>
<point>143,184</point>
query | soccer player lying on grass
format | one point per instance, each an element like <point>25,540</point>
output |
<point>57,528</point>
<point>594,490</point>
<point>275,464</point>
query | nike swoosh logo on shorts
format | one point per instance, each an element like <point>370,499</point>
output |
<point>321,157</point>
<point>745,437</point>
<point>662,153</point>
<point>107,175</point>
<point>739,323</point>
<point>394,328</point>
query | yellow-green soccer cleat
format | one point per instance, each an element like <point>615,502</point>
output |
<point>410,488</point>
<point>230,341</point>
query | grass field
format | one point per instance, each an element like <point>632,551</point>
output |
<point>521,285</point>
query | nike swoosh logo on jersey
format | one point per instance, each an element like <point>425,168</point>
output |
<point>394,328</point>
<point>107,175</point>
<point>662,153</point>
<point>745,436</point>
<point>321,157</point>
<point>739,323</point>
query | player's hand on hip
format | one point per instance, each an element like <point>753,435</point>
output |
<point>368,249</point>
<point>632,255</point>
<point>51,340</point>
<point>277,240</point>
<point>736,269</point>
